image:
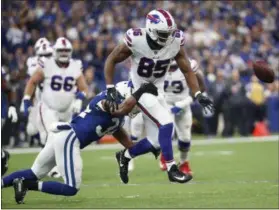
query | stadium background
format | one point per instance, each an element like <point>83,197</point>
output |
<point>224,37</point>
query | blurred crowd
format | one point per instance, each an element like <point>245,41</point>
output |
<point>223,36</point>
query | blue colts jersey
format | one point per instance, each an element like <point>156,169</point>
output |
<point>93,123</point>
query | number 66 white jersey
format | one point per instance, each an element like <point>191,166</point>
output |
<point>150,65</point>
<point>59,83</point>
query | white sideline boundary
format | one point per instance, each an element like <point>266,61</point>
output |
<point>234,140</point>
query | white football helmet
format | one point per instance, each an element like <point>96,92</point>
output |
<point>63,50</point>
<point>45,50</point>
<point>160,26</point>
<point>40,42</point>
<point>125,89</point>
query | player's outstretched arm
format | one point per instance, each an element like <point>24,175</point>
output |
<point>122,136</point>
<point>123,109</point>
<point>36,78</point>
<point>185,66</point>
<point>120,53</point>
<point>82,86</point>
<point>183,63</point>
<point>127,106</point>
<point>201,81</point>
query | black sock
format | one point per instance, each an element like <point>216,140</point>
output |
<point>31,185</point>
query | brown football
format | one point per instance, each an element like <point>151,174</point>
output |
<point>263,71</point>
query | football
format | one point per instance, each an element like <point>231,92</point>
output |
<point>263,71</point>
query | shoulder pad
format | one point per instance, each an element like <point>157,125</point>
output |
<point>31,62</point>
<point>132,35</point>
<point>41,63</point>
<point>179,36</point>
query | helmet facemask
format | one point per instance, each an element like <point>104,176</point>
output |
<point>63,55</point>
<point>164,37</point>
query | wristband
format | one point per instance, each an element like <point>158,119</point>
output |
<point>197,93</point>
<point>110,86</point>
<point>204,94</point>
<point>26,97</point>
<point>81,95</point>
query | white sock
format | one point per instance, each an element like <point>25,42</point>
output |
<point>183,156</point>
<point>40,186</point>
<point>127,154</point>
<point>169,164</point>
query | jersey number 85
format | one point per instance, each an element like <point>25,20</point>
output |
<point>148,67</point>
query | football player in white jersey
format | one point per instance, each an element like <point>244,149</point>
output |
<point>152,49</point>
<point>177,96</point>
<point>61,76</point>
<point>42,50</point>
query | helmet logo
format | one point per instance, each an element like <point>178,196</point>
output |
<point>154,18</point>
<point>64,42</point>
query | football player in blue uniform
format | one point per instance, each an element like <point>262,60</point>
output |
<point>67,139</point>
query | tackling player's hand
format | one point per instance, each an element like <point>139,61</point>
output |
<point>27,104</point>
<point>149,88</point>
<point>112,98</point>
<point>145,88</point>
<point>205,102</point>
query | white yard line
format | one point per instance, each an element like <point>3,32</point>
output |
<point>193,182</point>
<point>234,140</point>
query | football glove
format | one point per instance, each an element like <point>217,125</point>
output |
<point>112,97</point>
<point>12,114</point>
<point>205,102</point>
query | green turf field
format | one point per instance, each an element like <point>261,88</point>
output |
<point>240,175</point>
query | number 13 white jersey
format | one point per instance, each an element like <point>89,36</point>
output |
<point>150,65</point>
<point>176,87</point>
<point>59,83</point>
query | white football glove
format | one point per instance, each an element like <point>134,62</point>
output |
<point>12,114</point>
<point>77,105</point>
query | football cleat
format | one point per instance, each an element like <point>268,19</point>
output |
<point>177,176</point>
<point>185,168</point>
<point>162,163</point>
<point>123,164</point>
<point>20,190</point>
